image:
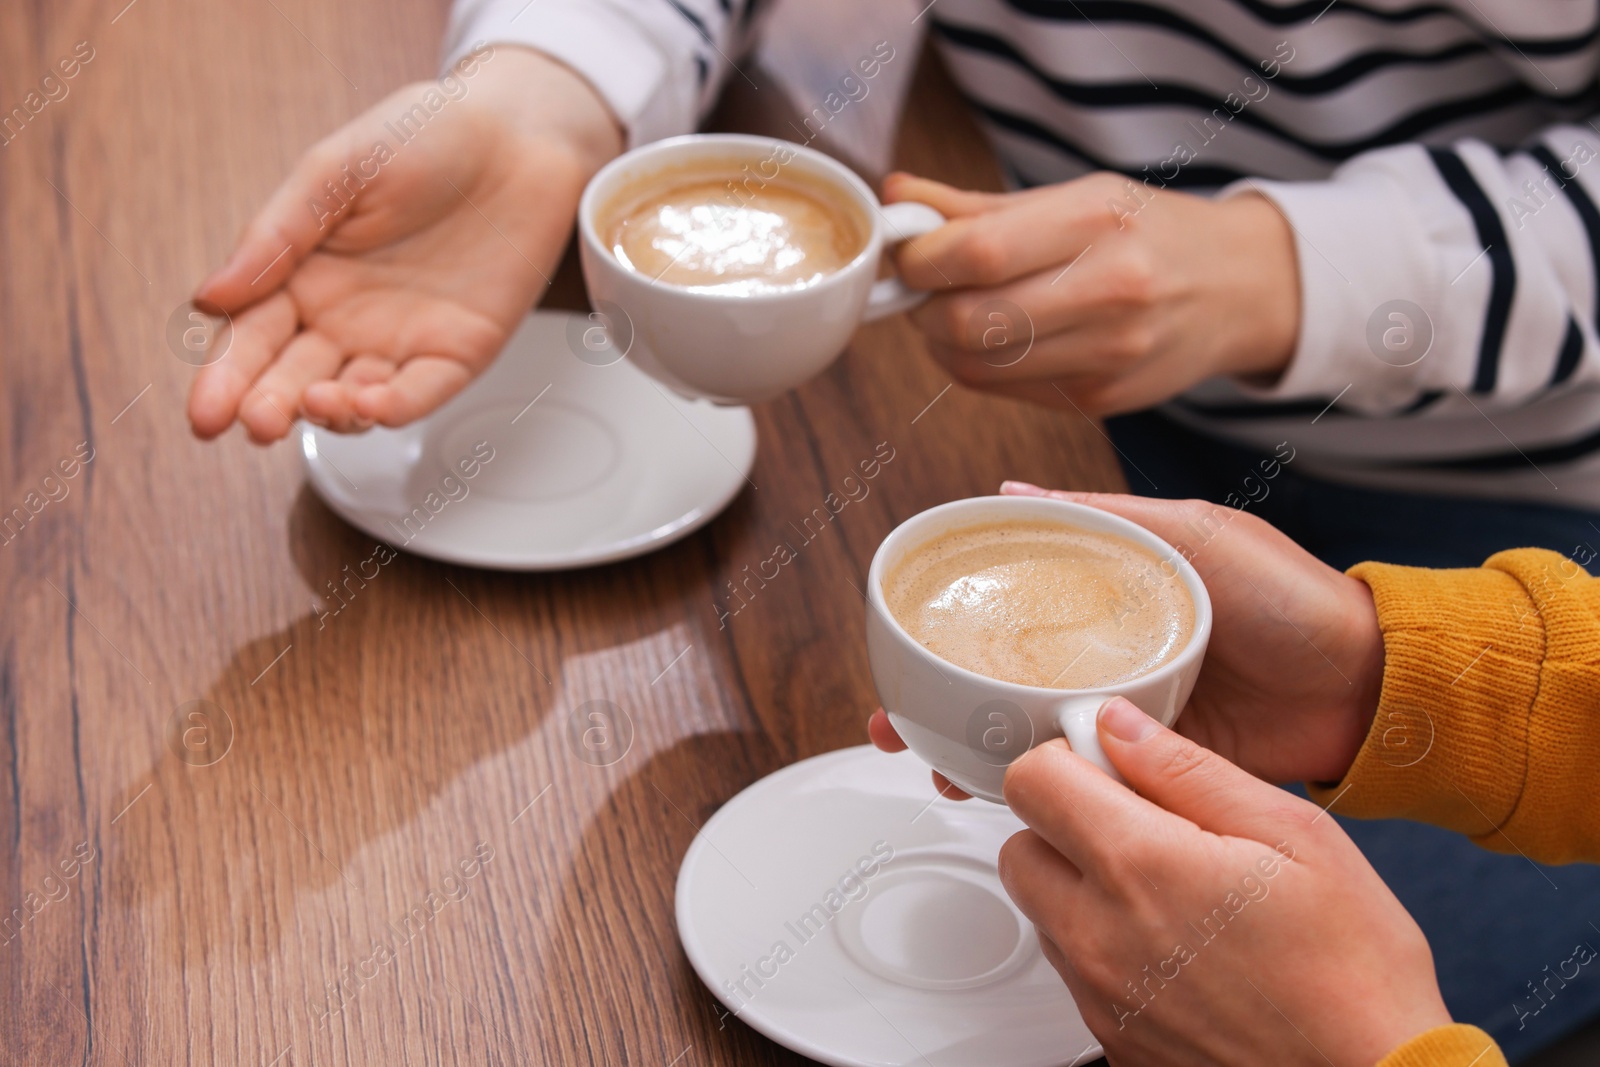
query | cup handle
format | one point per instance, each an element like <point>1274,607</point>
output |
<point>902,221</point>
<point>1077,721</point>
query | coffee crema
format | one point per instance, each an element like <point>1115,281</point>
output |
<point>714,235</point>
<point>1041,604</point>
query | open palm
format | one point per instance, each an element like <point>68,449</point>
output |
<point>377,298</point>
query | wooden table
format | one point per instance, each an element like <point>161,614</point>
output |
<point>173,912</point>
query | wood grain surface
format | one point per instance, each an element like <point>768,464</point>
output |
<point>260,909</point>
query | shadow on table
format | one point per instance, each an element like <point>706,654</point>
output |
<point>609,898</point>
<point>342,728</point>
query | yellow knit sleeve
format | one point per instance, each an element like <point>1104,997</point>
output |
<point>1489,718</point>
<point>1447,1046</point>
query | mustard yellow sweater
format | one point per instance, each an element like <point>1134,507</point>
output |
<point>1488,724</point>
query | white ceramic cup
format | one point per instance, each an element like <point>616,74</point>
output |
<point>968,726</point>
<point>740,348</point>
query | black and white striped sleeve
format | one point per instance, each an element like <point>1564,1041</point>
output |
<point>658,63</point>
<point>1500,252</point>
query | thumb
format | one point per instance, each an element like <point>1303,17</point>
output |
<point>1173,772</point>
<point>299,216</point>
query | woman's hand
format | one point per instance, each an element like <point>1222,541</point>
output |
<point>394,262</point>
<point>1211,918</point>
<point>1100,293</point>
<point>1291,678</point>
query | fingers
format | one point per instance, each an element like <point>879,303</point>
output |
<point>333,404</point>
<point>1085,995</point>
<point>1188,780</point>
<point>1167,519</point>
<point>1012,487</point>
<point>1040,880</point>
<point>948,789</point>
<point>1033,871</point>
<point>1180,522</point>
<point>1102,352</point>
<point>1110,284</point>
<point>947,200</point>
<point>273,403</point>
<point>883,734</point>
<point>1019,236</point>
<point>280,235</point>
<point>420,385</point>
<point>1052,953</point>
<point>1080,811</point>
<point>219,389</point>
<point>1159,511</point>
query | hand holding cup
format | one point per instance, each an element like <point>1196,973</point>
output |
<point>1289,686</point>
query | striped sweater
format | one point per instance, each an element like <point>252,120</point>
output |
<point>1436,160</point>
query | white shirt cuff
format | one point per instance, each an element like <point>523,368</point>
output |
<point>1360,247</point>
<point>649,86</point>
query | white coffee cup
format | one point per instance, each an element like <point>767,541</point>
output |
<point>730,347</point>
<point>969,726</point>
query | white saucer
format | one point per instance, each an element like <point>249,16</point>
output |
<point>590,463</point>
<point>923,960</point>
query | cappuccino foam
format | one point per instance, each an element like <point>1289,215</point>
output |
<point>1041,604</point>
<point>709,237</point>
